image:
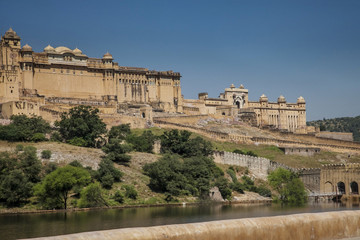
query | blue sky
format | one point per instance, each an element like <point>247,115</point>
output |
<point>308,48</point>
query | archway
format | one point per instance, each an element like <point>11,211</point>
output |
<point>143,115</point>
<point>329,187</point>
<point>354,188</point>
<point>341,188</point>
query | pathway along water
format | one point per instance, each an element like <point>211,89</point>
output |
<point>40,225</point>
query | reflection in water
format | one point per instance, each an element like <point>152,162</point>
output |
<point>36,225</point>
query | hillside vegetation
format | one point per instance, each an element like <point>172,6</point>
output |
<point>344,124</point>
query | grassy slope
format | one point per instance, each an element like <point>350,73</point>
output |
<point>275,154</point>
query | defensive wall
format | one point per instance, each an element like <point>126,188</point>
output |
<point>261,167</point>
<point>285,139</point>
<point>315,226</point>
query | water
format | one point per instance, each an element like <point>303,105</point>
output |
<point>40,225</point>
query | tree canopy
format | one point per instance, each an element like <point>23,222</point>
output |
<point>179,142</point>
<point>82,124</point>
<point>54,190</point>
<point>289,186</point>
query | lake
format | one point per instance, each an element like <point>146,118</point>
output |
<point>50,224</point>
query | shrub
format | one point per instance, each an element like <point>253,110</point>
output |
<point>77,141</point>
<point>38,137</point>
<point>19,148</point>
<point>130,192</point>
<point>56,137</point>
<point>92,196</point>
<point>76,163</point>
<point>46,154</point>
<point>118,196</point>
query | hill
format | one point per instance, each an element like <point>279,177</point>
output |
<point>344,124</point>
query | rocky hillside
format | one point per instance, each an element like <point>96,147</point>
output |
<point>345,124</point>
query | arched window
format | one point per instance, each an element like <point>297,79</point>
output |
<point>341,187</point>
<point>354,188</point>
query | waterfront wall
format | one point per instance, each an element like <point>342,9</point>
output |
<point>315,226</point>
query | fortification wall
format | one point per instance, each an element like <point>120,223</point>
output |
<point>315,226</point>
<point>261,167</point>
<point>285,139</point>
<point>336,135</point>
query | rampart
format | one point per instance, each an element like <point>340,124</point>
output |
<point>261,167</point>
<point>315,226</point>
<point>285,139</point>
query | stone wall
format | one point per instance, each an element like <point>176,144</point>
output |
<point>336,135</point>
<point>261,167</point>
<point>315,226</point>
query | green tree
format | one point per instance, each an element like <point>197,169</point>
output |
<point>108,174</point>
<point>116,152</point>
<point>30,164</point>
<point>289,186</point>
<point>24,128</point>
<point>92,196</point>
<point>82,122</point>
<point>54,190</point>
<point>142,143</point>
<point>15,188</point>
<point>120,132</point>
<point>179,142</point>
<point>46,154</point>
<point>130,191</point>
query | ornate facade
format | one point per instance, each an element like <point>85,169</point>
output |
<point>29,80</point>
<point>235,102</point>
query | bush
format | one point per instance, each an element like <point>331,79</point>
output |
<point>38,137</point>
<point>119,197</point>
<point>108,174</point>
<point>76,163</point>
<point>56,137</point>
<point>92,196</point>
<point>77,141</point>
<point>19,148</point>
<point>130,191</point>
<point>223,186</point>
<point>46,154</point>
<point>116,152</point>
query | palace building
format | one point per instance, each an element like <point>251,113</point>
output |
<point>235,102</point>
<point>52,81</point>
<point>30,80</point>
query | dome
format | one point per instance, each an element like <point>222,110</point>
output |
<point>281,99</point>
<point>300,100</point>
<point>62,49</point>
<point>107,56</point>
<point>11,34</point>
<point>49,49</point>
<point>232,86</point>
<point>26,48</point>
<point>263,98</point>
<point>241,86</point>
<point>77,51</point>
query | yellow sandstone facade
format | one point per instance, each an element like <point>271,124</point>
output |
<point>61,75</point>
<point>56,79</point>
<point>235,102</point>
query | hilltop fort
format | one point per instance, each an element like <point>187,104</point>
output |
<point>50,82</point>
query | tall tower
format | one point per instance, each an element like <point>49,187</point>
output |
<point>9,66</point>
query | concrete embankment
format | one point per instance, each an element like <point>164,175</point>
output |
<point>328,225</point>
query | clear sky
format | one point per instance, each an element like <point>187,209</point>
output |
<point>309,48</point>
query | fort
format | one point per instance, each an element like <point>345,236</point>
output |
<point>52,81</point>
